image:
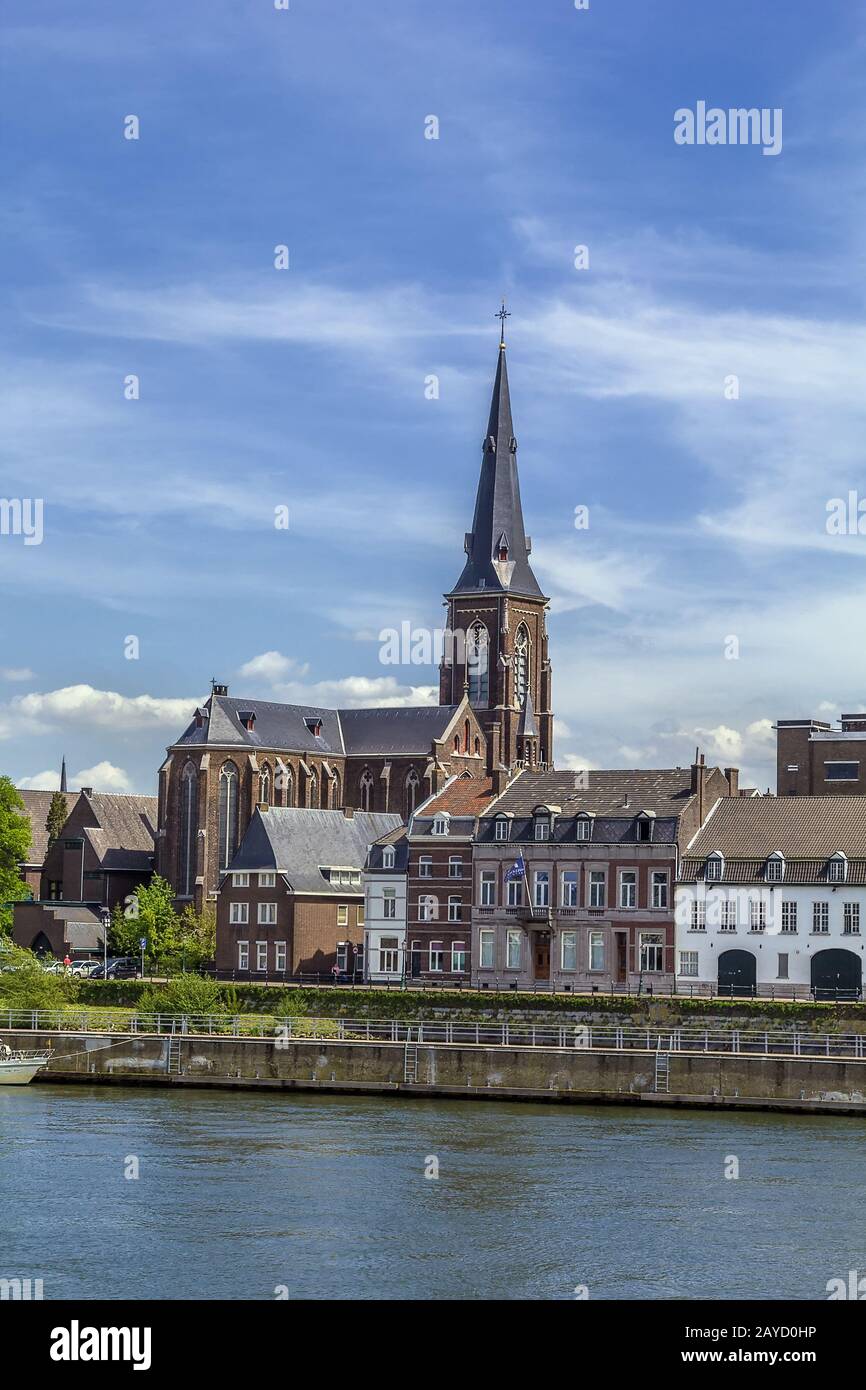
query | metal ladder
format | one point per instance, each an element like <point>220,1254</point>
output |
<point>174,1054</point>
<point>663,1072</point>
<point>410,1060</point>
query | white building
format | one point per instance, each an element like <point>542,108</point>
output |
<point>385,877</point>
<point>772,898</point>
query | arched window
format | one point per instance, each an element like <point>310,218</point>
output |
<point>326,791</point>
<point>336,794</point>
<point>521,665</point>
<point>285,785</point>
<point>265,786</point>
<point>412,785</point>
<point>477,664</point>
<point>466,737</point>
<point>366,790</point>
<point>477,746</point>
<point>228,814</point>
<point>312,788</point>
<point>188,829</point>
<point>456,743</point>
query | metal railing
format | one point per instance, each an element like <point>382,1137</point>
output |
<point>482,1033</point>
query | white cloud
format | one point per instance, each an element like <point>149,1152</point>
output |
<point>102,777</point>
<point>16,673</point>
<point>360,692</point>
<point>48,781</point>
<point>272,667</point>
<point>85,706</point>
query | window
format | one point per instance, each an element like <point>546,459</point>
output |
<point>265,786</point>
<point>569,950</point>
<point>514,888</point>
<point>411,788</point>
<point>425,866</point>
<point>440,825</point>
<point>541,895</point>
<point>775,869</point>
<point>188,828</point>
<point>520,665</point>
<point>782,971</point>
<point>583,828</point>
<point>437,957</point>
<point>841,772</point>
<point>267,914</point>
<point>597,894</point>
<point>837,869</point>
<point>699,916</point>
<point>388,857</point>
<point>644,828</point>
<point>366,788</point>
<point>228,814</point>
<point>542,828</point>
<point>689,964</point>
<point>239,914</point>
<point>488,888</point>
<point>500,829</point>
<point>486,944</point>
<point>455,909</point>
<point>714,868</point>
<point>455,866</point>
<point>342,914</point>
<point>851,919</point>
<point>389,903</point>
<point>477,664</point>
<point>628,888</point>
<point>240,880</point>
<point>757,914</point>
<point>512,949</point>
<point>389,954</point>
<point>427,909</point>
<point>243,955</point>
<point>261,955</point>
<point>343,957</point>
<point>728,915</point>
<point>359,914</point>
<point>652,951</point>
<point>280,956</point>
<point>820,917</point>
<point>569,888</point>
<point>596,950</point>
<point>660,887</point>
<point>789,917</point>
<point>267,880</point>
<point>458,957</point>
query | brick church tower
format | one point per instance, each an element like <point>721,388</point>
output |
<point>497,647</point>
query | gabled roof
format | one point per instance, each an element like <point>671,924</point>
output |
<point>122,831</point>
<point>36,806</point>
<point>619,793</point>
<point>800,827</point>
<point>393,731</point>
<point>461,796</point>
<point>398,842</point>
<point>300,842</point>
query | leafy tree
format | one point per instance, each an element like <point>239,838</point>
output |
<point>14,844</point>
<point>151,915</point>
<point>25,984</point>
<point>184,994</point>
<point>57,814</point>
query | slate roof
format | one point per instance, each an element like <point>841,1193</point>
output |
<point>397,840</point>
<point>666,791</point>
<point>498,511</point>
<point>359,732</point>
<point>300,842</point>
<point>36,805</point>
<point>805,828</point>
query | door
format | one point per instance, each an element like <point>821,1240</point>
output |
<point>542,955</point>
<point>738,971</point>
<point>621,957</point>
<point>415,960</point>
<point>836,975</point>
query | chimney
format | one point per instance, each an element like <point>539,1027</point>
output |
<point>698,783</point>
<point>349,812</point>
<point>733,776</point>
<point>86,791</point>
<point>500,779</point>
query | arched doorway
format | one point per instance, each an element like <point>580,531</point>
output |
<point>837,974</point>
<point>42,946</point>
<point>738,971</point>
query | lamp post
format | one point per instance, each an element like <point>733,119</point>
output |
<point>105,917</point>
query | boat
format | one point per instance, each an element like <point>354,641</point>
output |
<point>19,1067</point>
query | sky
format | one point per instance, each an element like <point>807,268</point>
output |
<point>694,378</point>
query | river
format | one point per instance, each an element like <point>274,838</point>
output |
<point>246,1195</point>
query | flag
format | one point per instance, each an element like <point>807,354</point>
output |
<point>517,870</point>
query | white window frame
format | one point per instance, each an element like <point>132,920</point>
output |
<point>239,914</point>
<point>487,888</point>
<point>541,888</point>
<point>267,915</point>
<point>261,956</point>
<point>243,955</point>
<point>342,914</point>
<point>486,947</point>
<point>820,917</point>
<point>501,828</point>
<point>688,965</point>
<point>569,888</point>
<point>455,909</point>
<point>569,937</point>
<point>628,879</point>
<point>596,881</point>
<point>425,866</point>
<point>513,949</point>
<point>267,879</point>
<point>240,880</point>
<point>459,957</point>
<point>583,828</point>
<point>388,857</point>
<point>596,943</point>
<point>280,957</point>
<point>389,904</point>
<point>455,866</point>
<point>661,889</point>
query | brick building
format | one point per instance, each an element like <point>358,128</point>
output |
<point>36,807</point>
<point>814,759</point>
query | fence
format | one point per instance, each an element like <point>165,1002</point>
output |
<point>740,1041</point>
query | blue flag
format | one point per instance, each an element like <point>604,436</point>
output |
<point>517,870</point>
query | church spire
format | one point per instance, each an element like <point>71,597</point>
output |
<point>497,548</point>
<point>63,773</point>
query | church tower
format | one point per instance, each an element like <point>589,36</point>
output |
<point>496,651</point>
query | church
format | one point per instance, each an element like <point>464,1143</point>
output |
<point>240,755</point>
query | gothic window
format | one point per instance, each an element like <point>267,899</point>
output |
<point>466,736</point>
<point>326,791</point>
<point>521,665</point>
<point>366,790</point>
<point>312,788</point>
<point>411,791</point>
<point>477,664</point>
<point>336,799</point>
<point>228,809</point>
<point>265,786</point>
<point>286,786</point>
<point>188,829</point>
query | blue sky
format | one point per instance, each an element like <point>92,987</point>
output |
<point>306,387</point>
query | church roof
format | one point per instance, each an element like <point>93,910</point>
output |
<point>498,520</point>
<point>387,732</point>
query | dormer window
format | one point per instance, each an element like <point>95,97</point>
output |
<point>314,724</point>
<point>440,824</point>
<point>583,827</point>
<point>774,871</point>
<point>501,828</point>
<point>714,868</point>
<point>542,817</point>
<point>388,857</point>
<point>644,826</point>
<point>837,868</point>
<point>247,718</point>
<point>502,547</point>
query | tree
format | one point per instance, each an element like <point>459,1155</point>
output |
<point>14,844</point>
<point>57,814</point>
<point>25,983</point>
<point>151,915</point>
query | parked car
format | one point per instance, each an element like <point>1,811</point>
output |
<point>85,968</point>
<point>122,968</point>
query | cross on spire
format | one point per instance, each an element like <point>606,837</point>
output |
<point>502,315</point>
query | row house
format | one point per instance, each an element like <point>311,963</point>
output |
<point>292,899</point>
<point>574,876</point>
<point>385,875</point>
<point>772,898</point>
<point>439,881</point>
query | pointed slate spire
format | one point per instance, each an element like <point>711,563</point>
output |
<point>63,787</point>
<point>497,551</point>
<point>527,728</point>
